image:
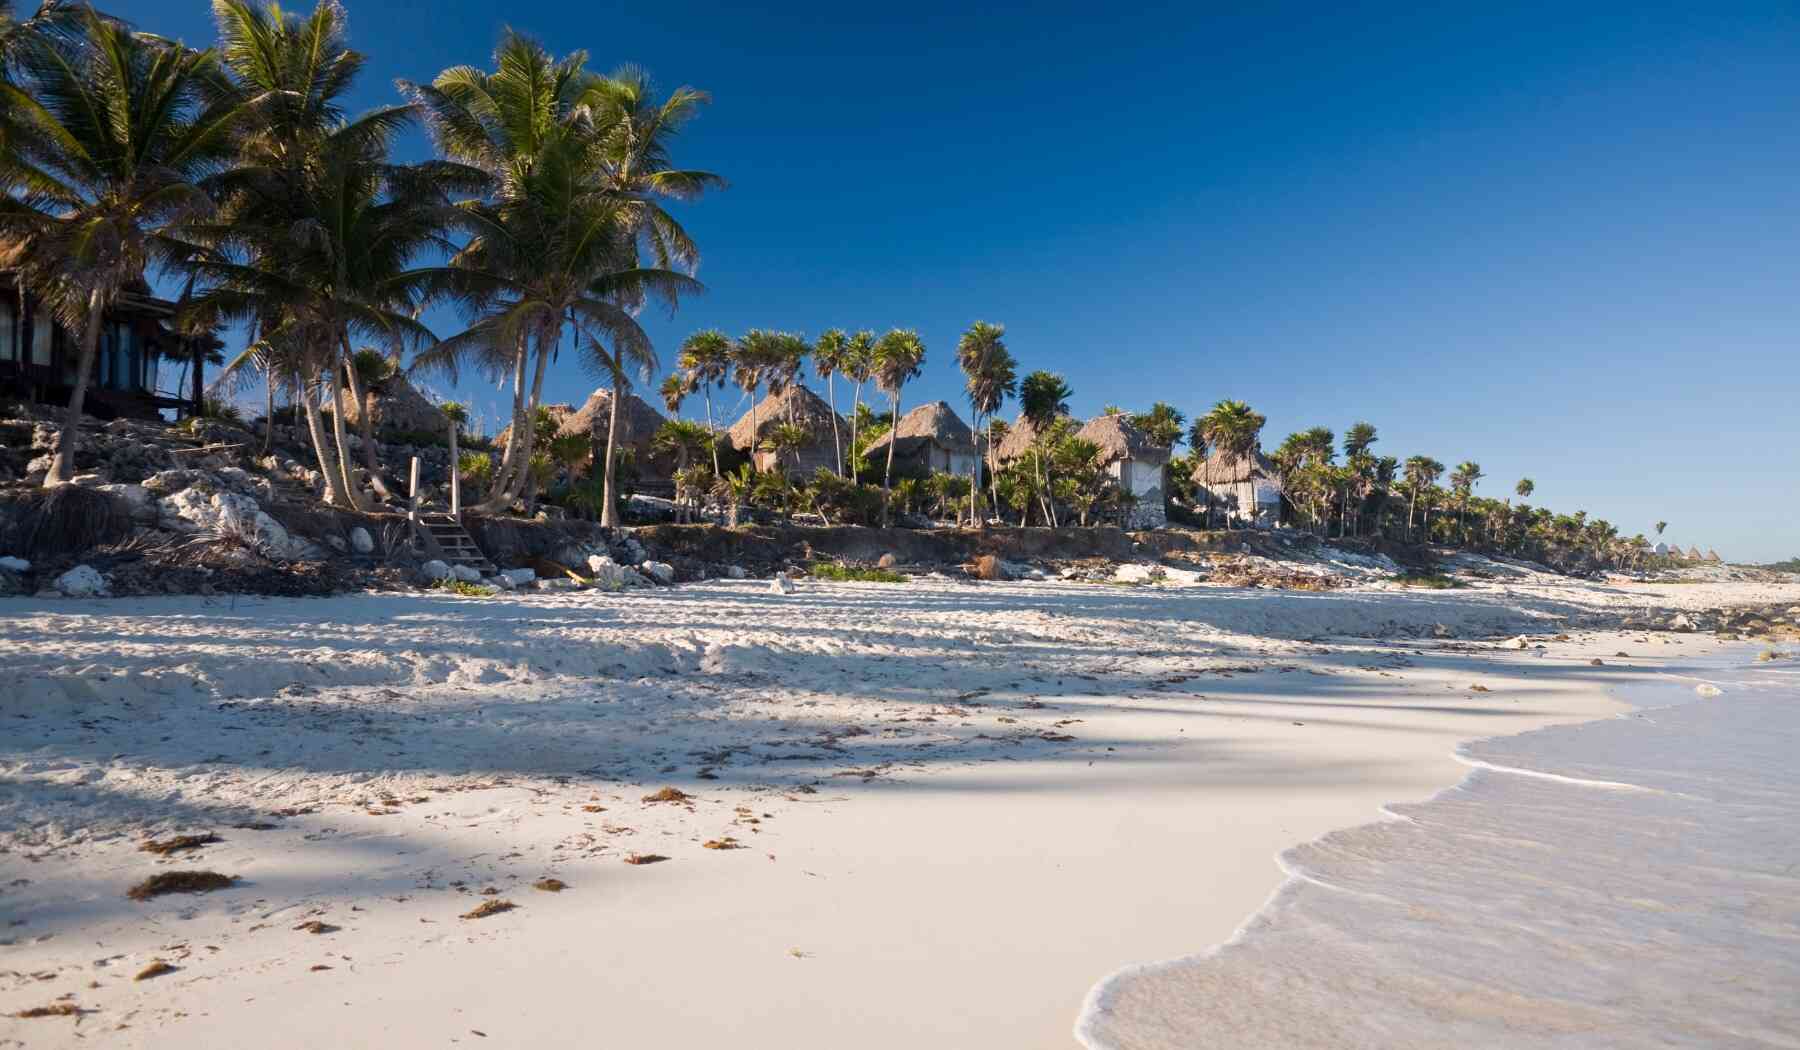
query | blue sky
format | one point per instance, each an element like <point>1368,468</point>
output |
<point>1562,242</point>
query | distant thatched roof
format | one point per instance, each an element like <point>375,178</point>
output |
<point>1713,555</point>
<point>1221,469</point>
<point>638,421</point>
<point>559,412</point>
<point>795,404</point>
<point>937,423</point>
<point>396,406</point>
<point>1119,439</point>
<point>1021,434</point>
<point>1694,553</point>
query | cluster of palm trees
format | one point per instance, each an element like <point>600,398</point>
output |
<point>237,170</point>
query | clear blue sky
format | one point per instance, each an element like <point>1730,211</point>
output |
<point>1561,240</point>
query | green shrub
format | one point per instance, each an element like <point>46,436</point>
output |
<point>1435,581</point>
<point>828,570</point>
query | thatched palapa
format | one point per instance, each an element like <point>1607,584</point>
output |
<point>396,407</point>
<point>1136,464</point>
<point>930,438</point>
<point>1245,488</point>
<point>795,404</point>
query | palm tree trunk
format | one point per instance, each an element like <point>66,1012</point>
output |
<point>328,467</point>
<point>609,508</point>
<point>887,479</point>
<point>837,446</point>
<point>522,461</point>
<point>503,476</point>
<point>339,434</point>
<point>855,411</point>
<point>62,464</point>
<point>710,431</point>
<point>364,428</point>
<point>269,414</point>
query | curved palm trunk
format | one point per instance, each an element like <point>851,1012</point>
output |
<point>364,428</point>
<point>836,445</point>
<point>855,410</point>
<point>62,463</point>
<point>711,432</point>
<point>609,506</point>
<point>328,466</point>
<point>353,495</point>
<point>887,479</point>
<point>522,463</point>
<point>269,413</point>
<point>503,476</point>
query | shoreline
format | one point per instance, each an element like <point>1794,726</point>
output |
<point>950,853</point>
<point>1276,942</point>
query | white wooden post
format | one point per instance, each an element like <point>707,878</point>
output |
<point>412,509</point>
<point>455,477</point>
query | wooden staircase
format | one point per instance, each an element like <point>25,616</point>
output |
<point>454,541</point>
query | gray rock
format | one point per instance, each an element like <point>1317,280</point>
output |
<point>137,500</point>
<point>660,571</point>
<point>15,564</point>
<point>735,572</point>
<point>555,585</point>
<point>887,561</point>
<point>466,573</point>
<point>337,543</point>
<point>504,582</point>
<point>781,584</point>
<point>361,542</point>
<point>1132,573</point>
<point>517,577</point>
<point>435,571</point>
<point>1442,631</point>
<point>83,581</point>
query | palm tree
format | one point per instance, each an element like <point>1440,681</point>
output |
<point>674,390</point>
<point>857,366</point>
<point>786,439</point>
<point>705,360</point>
<point>753,357</point>
<point>632,136</point>
<point>1235,430</point>
<point>1660,526</point>
<point>990,377</point>
<point>1525,488</point>
<point>1044,396</point>
<point>683,438</point>
<point>898,357</point>
<point>1422,472</point>
<point>100,200</point>
<point>627,359</point>
<point>830,355</point>
<point>557,241</point>
<point>1463,482</point>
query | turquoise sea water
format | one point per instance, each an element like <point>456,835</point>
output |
<point>1632,882</point>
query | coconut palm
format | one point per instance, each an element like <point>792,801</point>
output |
<point>858,364</point>
<point>1358,439</point>
<point>1043,396</point>
<point>1525,488</point>
<point>1422,472</point>
<point>705,361</point>
<point>830,355</point>
<point>122,129</point>
<point>1462,482</point>
<point>786,439</point>
<point>898,357</point>
<point>682,438</point>
<point>1660,526</point>
<point>633,132</point>
<point>556,242</point>
<point>990,376</point>
<point>1235,430</point>
<point>674,390</point>
<point>762,357</point>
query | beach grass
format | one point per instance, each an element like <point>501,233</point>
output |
<point>834,570</point>
<point>467,589</point>
<point>1435,581</point>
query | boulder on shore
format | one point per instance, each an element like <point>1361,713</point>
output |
<point>83,581</point>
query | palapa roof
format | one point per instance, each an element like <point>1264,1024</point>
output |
<point>1219,468</point>
<point>638,421</point>
<point>1713,555</point>
<point>1120,439</point>
<point>396,406</point>
<point>935,422</point>
<point>1694,553</point>
<point>795,404</point>
<point>558,412</point>
<point>1020,436</point>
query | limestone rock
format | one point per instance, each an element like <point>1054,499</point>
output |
<point>361,542</point>
<point>517,577</point>
<point>887,561</point>
<point>735,572</point>
<point>660,571</point>
<point>12,564</point>
<point>466,573</point>
<point>1137,573</point>
<point>781,584</point>
<point>435,571</point>
<point>137,500</point>
<point>83,581</point>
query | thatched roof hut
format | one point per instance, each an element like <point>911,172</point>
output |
<point>1246,488</point>
<point>395,406</point>
<point>930,439</point>
<point>1713,555</point>
<point>799,405</point>
<point>1119,439</point>
<point>1020,436</point>
<point>1694,554</point>
<point>638,424</point>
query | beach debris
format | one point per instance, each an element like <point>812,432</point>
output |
<point>887,561</point>
<point>53,1010</point>
<point>781,584</point>
<point>669,794</point>
<point>156,968</point>
<point>644,858</point>
<point>316,967</point>
<point>316,926</point>
<point>179,882</point>
<point>988,567</point>
<point>1479,688</point>
<point>1708,689</point>
<point>798,954</point>
<point>593,807</point>
<point>722,843</point>
<point>550,885</point>
<point>165,847</point>
<point>1596,662</point>
<point>489,907</point>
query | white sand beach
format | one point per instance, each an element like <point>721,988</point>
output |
<point>948,809</point>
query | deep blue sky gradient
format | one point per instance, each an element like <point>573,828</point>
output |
<point>1561,240</point>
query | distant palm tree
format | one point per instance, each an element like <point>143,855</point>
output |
<point>1235,430</point>
<point>898,357</point>
<point>830,355</point>
<point>1525,488</point>
<point>683,438</point>
<point>1422,472</point>
<point>990,377</point>
<point>1043,397</point>
<point>858,365</point>
<point>705,362</point>
<point>1660,526</point>
<point>102,198</point>
<point>1463,482</point>
<point>787,439</point>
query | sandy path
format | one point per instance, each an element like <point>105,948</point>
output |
<point>926,858</point>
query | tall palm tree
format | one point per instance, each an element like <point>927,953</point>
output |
<point>123,128</point>
<point>899,356</point>
<point>574,176</point>
<point>1462,482</point>
<point>1043,397</point>
<point>1422,472</point>
<point>1358,440</point>
<point>990,376</point>
<point>858,365</point>
<point>830,355</point>
<point>753,356</point>
<point>633,132</point>
<point>786,439</point>
<point>705,360</point>
<point>1235,430</point>
<point>1525,488</point>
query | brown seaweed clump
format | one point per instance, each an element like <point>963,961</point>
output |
<point>164,847</point>
<point>179,882</point>
<point>644,858</point>
<point>156,969</point>
<point>550,885</point>
<point>53,1010</point>
<point>489,907</point>
<point>669,794</point>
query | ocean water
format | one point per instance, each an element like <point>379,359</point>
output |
<point>1632,882</point>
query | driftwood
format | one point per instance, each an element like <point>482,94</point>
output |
<point>208,448</point>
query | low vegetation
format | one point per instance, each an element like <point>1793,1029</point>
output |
<point>833,570</point>
<point>467,589</point>
<point>1434,581</point>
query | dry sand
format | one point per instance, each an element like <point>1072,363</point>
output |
<point>960,805</point>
